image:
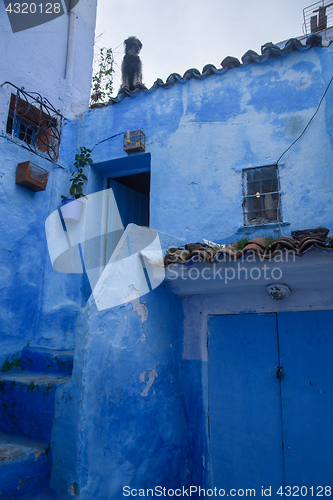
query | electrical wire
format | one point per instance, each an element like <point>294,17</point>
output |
<point>307,125</point>
<point>291,145</point>
<point>279,208</point>
<point>117,46</point>
<point>107,139</point>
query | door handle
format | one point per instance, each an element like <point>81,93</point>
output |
<point>279,372</point>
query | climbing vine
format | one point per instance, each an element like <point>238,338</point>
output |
<point>102,80</point>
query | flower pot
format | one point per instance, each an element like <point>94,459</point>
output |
<point>71,210</point>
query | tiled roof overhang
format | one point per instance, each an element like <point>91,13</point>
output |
<point>304,265</point>
<point>309,277</point>
<point>269,51</point>
<point>197,252</point>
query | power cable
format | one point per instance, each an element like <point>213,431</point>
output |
<point>312,117</point>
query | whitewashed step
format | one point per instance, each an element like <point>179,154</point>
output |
<point>25,467</point>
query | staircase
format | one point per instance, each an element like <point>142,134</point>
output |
<point>26,416</point>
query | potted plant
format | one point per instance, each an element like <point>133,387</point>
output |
<point>72,205</point>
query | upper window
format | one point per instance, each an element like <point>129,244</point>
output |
<point>28,123</point>
<point>261,192</point>
<point>34,121</point>
<point>20,129</point>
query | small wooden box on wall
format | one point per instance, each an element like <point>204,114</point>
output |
<point>31,176</point>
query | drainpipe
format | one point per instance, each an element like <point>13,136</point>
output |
<point>70,45</point>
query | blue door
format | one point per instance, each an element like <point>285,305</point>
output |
<point>133,207</point>
<point>306,348</point>
<point>244,402</point>
<point>270,430</point>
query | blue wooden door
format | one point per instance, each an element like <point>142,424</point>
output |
<point>306,348</point>
<point>132,205</point>
<point>244,402</point>
<point>133,208</point>
<point>267,431</point>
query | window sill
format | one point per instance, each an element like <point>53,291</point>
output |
<point>267,224</point>
<point>253,228</point>
<point>22,143</point>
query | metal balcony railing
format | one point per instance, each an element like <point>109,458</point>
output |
<point>33,120</point>
<point>318,17</point>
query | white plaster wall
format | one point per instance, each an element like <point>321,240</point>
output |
<point>36,60</point>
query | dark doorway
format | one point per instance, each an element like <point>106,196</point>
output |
<point>131,196</point>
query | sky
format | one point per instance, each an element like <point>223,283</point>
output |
<point>181,34</point>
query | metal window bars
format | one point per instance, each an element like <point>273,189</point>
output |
<point>318,17</point>
<point>33,119</point>
<point>261,195</point>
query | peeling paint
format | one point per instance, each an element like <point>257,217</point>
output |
<point>70,490</point>
<point>152,375</point>
<point>139,307</point>
<point>38,453</point>
<point>21,483</point>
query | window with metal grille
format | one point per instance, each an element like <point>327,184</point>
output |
<point>21,130</point>
<point>32,119</point>
<point>261,192</point>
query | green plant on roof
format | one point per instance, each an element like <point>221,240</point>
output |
<point>240,244</point>
<point>82,159</point>
<point>270,240</point>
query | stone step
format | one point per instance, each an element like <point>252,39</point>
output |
<point>41,359</point>
<point>25,468</point>
<point>27,403</point>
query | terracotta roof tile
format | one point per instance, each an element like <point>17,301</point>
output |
<point>268,51</point>
<point>196,252</point>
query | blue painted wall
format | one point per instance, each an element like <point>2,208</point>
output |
<point>37,305</point>
<point>22,255</point>
<point>201,133</point>
<point>121,420</point>
<point>135,411</point>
